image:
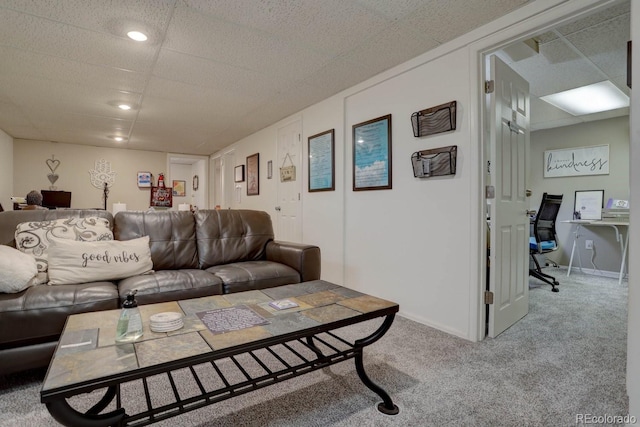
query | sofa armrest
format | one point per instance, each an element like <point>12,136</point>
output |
<point>303,258</point>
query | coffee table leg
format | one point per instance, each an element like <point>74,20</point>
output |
<point>386,406</point>
<point>313,347</point>
<point>66,415</point>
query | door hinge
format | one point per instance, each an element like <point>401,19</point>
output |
<point>489,86</point>
<point>490,192</point>
<point>488,297</point>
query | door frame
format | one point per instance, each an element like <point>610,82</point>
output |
<point>479,53</point>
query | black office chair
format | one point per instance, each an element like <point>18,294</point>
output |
<point>543,237</point>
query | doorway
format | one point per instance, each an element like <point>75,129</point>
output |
<point>578,36</point>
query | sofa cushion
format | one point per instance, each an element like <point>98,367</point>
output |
<point>73,262</point>
<point>226,236</point>
<point>250,275</point>
<point>39,312</point>
<point>172,236</point>
<point>34,237</point>
<point>18,270</point>
<point>171,285</point>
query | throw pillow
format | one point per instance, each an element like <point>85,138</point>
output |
<point>18,270</point>
<point>34,237</point>
<point>72,262</point>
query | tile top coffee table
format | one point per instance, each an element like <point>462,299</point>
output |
<point>241,344</point>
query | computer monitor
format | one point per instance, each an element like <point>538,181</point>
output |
<point>56,199</point>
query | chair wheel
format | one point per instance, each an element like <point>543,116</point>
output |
<point>556,283</point>
<point>555,290</point>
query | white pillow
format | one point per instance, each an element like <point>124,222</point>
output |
<point>17,270</point>
<point>34,237</point>
<point>72,262</point>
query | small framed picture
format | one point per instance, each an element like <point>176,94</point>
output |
<point>270,169</point>
<point>322,162</point>
<point>238,173</point>
<point>372,154</point>
<point>253,174</point>
<point>144,179</point>
<point>179,189</point>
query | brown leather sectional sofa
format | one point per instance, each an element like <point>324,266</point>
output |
<point>209,252</point>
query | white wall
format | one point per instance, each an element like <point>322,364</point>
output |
<point>406,244</point>
<point>6,171</point>
<point>633,333</point>
<point>420,243</point>
<point>614,132</point>
<point>30,172</point>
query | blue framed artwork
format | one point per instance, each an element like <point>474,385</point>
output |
<point>322,162</point>
<point>372,154</point>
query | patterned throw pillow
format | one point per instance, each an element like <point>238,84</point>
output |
<point>34,238</point>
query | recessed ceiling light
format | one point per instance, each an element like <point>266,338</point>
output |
<point>137,36</point>
<point>603,96</point>
<point>118,138</point>
<point>124,107</point>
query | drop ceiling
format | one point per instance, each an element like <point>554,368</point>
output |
<point>213,72</point>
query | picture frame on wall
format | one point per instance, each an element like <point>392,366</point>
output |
<point>238,173</point>
<point>322,161</point>
<point>253,174</point>
<point>372,154</point>
<point>144,179</point>
<point>179,188</point>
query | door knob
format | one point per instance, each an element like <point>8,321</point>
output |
<point>527,192</point>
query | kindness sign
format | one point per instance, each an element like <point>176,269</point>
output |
<point>577,161</point>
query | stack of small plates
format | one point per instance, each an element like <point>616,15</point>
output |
<point>166,322</point>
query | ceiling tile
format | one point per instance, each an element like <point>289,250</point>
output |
<point>55,69</point>
<point>330,26</point>
<point>34,34</point>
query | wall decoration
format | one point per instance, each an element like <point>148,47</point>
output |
<point>195,183</point>
<point>102,176</point>
<point>438,119</point>
<point>238,173</point>
<point>179,188</point>
<point>578,161</point>
<point>435,162</point>
<point>287,173</point>
<point>161,197</point>
<point>270,169</point>
<point>52,176</point>
<point>253,174</point>
<point>144,179</point>
<point>322,162</point>
<point>372,154</point>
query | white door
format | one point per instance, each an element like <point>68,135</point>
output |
<point>228,186</point>
<point>289,207</point>
<point>509,156</point>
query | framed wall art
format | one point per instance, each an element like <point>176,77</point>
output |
<point>238,173</point>
<point>179,188</point>
<point>144,179</point>
<point>372,154</point>
<point>195,184</point>
<point>253,174</point>
<point>322,162</point>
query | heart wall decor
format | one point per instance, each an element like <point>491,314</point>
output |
<point>53,164</point>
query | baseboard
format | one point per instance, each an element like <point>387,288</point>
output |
<point>594,272</point>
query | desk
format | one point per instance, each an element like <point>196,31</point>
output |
<point>620,238</point>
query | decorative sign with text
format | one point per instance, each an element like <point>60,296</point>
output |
<point>577,161</point>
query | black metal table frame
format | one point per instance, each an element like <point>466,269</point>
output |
<point>61,410</point>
